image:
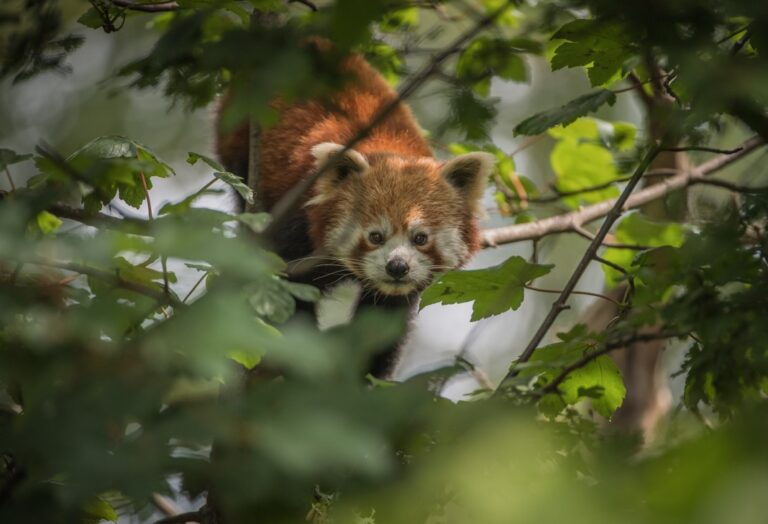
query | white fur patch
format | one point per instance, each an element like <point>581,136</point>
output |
<point>451,246</point>
<point>341,240</point>
<point>337,305</point>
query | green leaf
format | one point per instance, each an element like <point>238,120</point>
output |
<point>386,60</point>
<point>272,301</point>
<point>470,114</point>
<point>580,165</point>
<point>115,165</point>
<point>602,47</point>
<point>248,360</point>
<point>485,57</point>
<point>236,183</point>
<point>589,103</point>
<point>91,18</point>
<point>303,292</point>
<point>256,221</point>
<point>9,157</point>
<point>599,381</point>
<point>400,19</point>
<point>98,510</point>
<point>47,222</point>
<point>192,159</point>
<point>494,290</point>
<point>636,229</point>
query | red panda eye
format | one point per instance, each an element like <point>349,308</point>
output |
<point>375,237</point>
<point>420,239</point>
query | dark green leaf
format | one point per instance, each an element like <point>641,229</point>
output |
<point>589,103</point>
<point>493,291</point>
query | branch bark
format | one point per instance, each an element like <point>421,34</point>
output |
<point>571,222</point>
<point>159,7</point>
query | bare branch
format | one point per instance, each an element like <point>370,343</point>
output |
<point>307,3</point>
<point>10,179</point>
<point>703,148</point>
<point>569,222</point>
<point>159,7</point>
<point>585,293</point>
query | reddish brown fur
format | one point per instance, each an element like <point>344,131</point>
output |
<point>286,158</point>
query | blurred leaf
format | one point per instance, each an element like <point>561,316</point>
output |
<point>386,60</point>
<point>8,158</point>
<point>257,222</point>
<point>400,20</point>
<point>48,223</point>
<point>493,291</point>
<point>636,229</point>
<point>579,164</point>
<point>99,510</point>
<point>485,57</point>
<point>589,103</point>
<point>470,115</point>
<point>601,46</point>
<point>237,184</point>
<point>192,159</point>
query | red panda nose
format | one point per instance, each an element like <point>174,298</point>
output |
<point>397,268</point>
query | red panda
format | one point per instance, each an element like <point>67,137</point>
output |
<point>388,214</point>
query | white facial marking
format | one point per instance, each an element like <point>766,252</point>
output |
<point>451,246</point>
<point>342,239</point>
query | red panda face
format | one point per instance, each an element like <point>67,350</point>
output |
<point>393,221</point>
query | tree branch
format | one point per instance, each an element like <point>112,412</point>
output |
<point>292,199</point>
<point>159,7</point>
<point>569,222</point>
<point>703,148</point>
<point>611,216</point>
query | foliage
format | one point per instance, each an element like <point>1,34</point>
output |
<point>118,377</point>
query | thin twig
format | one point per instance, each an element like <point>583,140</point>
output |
<point>730,186</point>
<point>307,3</point>
<point>559,195</point>
<point>630,278</point>
<point>613,214</point>
<point>703,148</point>
<point>292,199</point>
<point>586,293</point>
<point>10,179</point>
<point>163,259</point>
<point>584,233</point>
<point>159,7</point>
<point>183,518</point>
<point>199,281</point>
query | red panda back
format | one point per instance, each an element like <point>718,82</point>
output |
<point>285,155</point>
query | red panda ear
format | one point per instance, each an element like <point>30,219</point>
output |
<point>349,162</point>
<point>468,174</point>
